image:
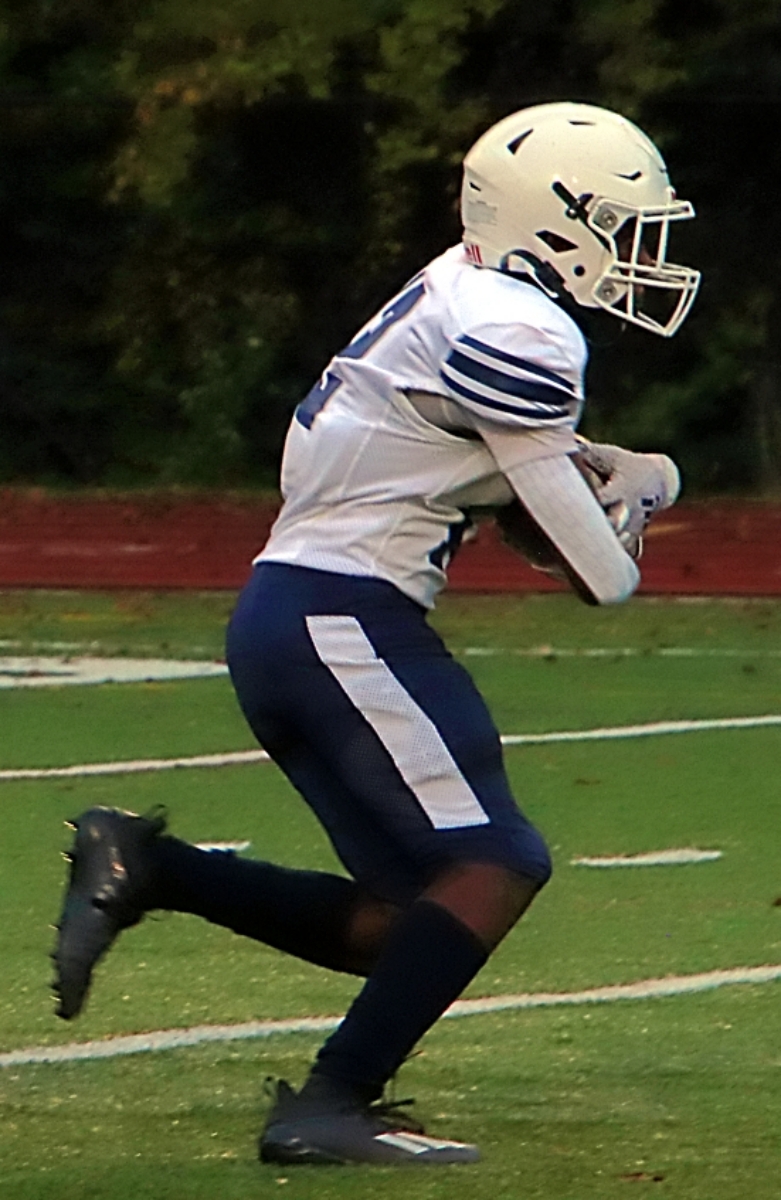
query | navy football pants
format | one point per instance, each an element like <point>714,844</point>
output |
<point>385,736</point>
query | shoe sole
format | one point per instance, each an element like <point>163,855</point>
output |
<point>346,1142</point>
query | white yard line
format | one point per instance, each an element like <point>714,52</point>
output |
<point>652,729</point>
<point>171,1039</point>
<point>546,651</point>
<point>58,670</point>
<point>683,856</point>
<point>247,757</point>
<point>136,766</point>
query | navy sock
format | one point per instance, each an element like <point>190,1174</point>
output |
<point>305,913</point>
<point>427,961</point>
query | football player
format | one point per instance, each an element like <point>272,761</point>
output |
<point>464,392</point>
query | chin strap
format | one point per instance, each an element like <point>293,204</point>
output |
<point>544,274</point>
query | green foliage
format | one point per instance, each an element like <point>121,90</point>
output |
<point>204,201</point>
<point>635,61</point>
<point>185,58</point>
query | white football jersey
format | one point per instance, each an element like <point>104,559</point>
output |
<point>370,486</point>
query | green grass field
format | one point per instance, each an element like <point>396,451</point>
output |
<point>678,1096</point>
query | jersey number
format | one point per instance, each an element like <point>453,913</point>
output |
<point>325,387</point>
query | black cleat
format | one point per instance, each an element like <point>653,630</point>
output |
<point>332,1127</point>
<point>107,890</point>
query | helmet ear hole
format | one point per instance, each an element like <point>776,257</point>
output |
<point>579,270</point>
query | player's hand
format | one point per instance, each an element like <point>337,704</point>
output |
<point>630,487</point>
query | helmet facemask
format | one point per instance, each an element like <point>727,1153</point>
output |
<point>639,285</point>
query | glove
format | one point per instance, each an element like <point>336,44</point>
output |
<point>630,487</point>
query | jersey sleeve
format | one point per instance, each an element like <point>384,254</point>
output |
<point>516,375</point>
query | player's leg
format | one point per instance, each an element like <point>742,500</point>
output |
<point>319,916</point>
<point>123,865</point>
<point>439,944</point>
<point>421,755</point>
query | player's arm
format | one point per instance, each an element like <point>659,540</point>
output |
<point>519,383</point>
<point>559,525</point>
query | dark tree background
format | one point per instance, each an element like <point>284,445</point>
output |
<point>199,203</point>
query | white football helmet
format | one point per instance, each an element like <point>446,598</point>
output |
<point>579,198</point>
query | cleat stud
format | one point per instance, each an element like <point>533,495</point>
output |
<point>66,854</point>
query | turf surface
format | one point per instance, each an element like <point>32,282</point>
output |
<point>564,1103</point>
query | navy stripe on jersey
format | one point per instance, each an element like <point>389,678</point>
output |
<point>495,379</point>
<point>537,413</point>
<point>511,360</point>
<point>500,382</point>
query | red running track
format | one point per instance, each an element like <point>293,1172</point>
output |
<point>169,541</point>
